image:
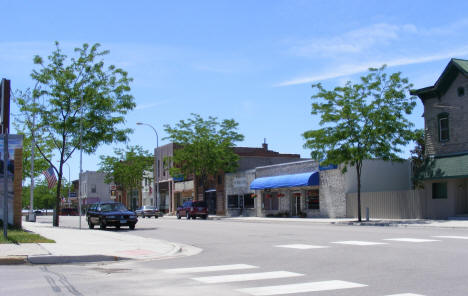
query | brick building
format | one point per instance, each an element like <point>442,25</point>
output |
<point>174,191</point>
<point>445,173</point>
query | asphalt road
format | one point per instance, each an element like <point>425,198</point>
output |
<point>268,258</point>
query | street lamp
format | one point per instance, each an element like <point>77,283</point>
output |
<point>156,197</point>
<point>69,180</point>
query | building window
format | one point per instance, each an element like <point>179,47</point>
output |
<point>443,119</point>
<point>461,91</point>
<point>270,200</point>
<point>233,201</point>
<point>93,188</point>
<point>249,201</point>
<point>312,200</point>
<point>439,190</point>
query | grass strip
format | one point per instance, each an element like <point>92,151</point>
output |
<point>19,236</point>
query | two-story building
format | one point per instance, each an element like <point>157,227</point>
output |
<point>445,173</point>
<point>175,190</point>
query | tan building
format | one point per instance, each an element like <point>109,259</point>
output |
<point>445,173</point>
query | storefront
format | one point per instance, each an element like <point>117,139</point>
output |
<point>240,199</point>
<point>292,195</point>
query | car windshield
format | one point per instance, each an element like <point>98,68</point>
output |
<point>199,204</point>
<point>113,207</point>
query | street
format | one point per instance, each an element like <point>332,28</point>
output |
<point>266,258</point>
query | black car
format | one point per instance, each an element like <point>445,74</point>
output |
<point>110,214</point>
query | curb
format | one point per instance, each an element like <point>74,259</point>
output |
<point>52,259</point>
<point>13,260</point>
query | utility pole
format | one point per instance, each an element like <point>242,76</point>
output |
<point>31,217</point>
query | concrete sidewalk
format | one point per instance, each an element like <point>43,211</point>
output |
<point>450,223</point>
<point>85,245</point>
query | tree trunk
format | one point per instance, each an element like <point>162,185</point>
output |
<point>57,200</point>
<point>358,171</point>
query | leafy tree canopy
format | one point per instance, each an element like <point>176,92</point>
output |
<point>206,146</point>
<point>126,168</point>
<point>24,125</point>
<point>65,89</point>
<point>362,121</point>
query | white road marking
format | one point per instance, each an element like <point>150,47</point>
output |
<point>246,277</point>
<point>452,236</point>
<point>358,243</point>
<point>301,246</point>
<point>406,294</point>
<point>210,268</point>
<point>301,288</point>
<point>412,240</point>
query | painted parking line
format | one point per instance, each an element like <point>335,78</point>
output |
<point>301,288</point>
<point>452,236</point>
<point>246,277</point>
<point>359,243</point>
<point>301,246</point>
<point>406,294</point>
<point>210,268</point>
<point>412,240</point>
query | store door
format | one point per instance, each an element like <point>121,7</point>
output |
<point>210,198</point>
<point>295,204</point>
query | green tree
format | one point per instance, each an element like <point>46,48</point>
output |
<point>418,157</point>
<point>127,167</point>
<point>206,147</point>
<point>362,121</point>
<point>44,198</point>
<point>79,91</point>
<point>25,125</point>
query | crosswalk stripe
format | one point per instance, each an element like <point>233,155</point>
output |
<point>301,246</point>
<point>452,236</point>
<point>406,294</point>
<point>301,288</point>
<point>246,277</point>
<point>210,268</point>
<point>412,240</point>
<point>359,243</point>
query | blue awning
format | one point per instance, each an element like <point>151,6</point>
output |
<point>285,181</point>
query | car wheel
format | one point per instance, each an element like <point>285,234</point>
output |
<point>204,217</point>
<point>102,224</point>
<point>194,217</point>
<point>117,226</point>
<point>131,226</point>
<point>90,224</point>
<point>187,216</point>
<point>178,215</point>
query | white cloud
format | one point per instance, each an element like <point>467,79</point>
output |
<point>351,69</point>
<point>355,41</point>
<point>151,105</point>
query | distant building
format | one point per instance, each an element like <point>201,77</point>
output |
<point>94,188</point>
<point>174,191</point>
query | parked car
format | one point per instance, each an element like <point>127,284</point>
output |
<point>193,209</point>
<point>69,212</point>
<point>38,212</point>
<point>110,214</point>
<point>147,211</point>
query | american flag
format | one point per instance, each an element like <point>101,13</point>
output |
<point>50,176</point>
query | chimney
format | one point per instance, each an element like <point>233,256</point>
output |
<point>265,145</point>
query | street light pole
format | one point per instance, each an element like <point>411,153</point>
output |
<point>81,159</point>
<point>69,180</point>
<point>157,201</point>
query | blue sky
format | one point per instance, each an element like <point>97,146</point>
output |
<point>253,61</point>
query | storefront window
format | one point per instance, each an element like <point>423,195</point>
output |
<point>233,201</point>
<point>270,200</point>
<point>249,201</point>
<point>313,201</point>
